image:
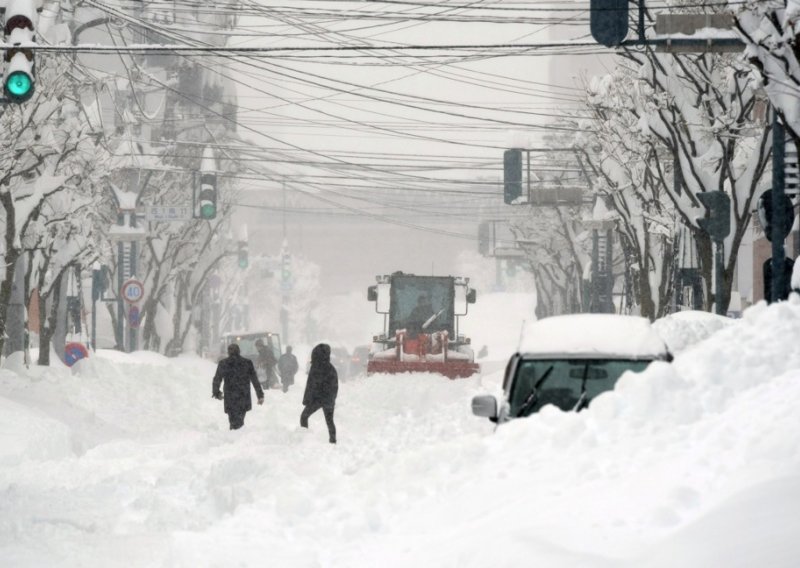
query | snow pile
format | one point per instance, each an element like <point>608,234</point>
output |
<point>129,463</point>
<point>684,329</point>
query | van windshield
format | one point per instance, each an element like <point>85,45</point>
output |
<point>569,384</point>
<point>247,344</point>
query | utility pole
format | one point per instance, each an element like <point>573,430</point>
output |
<point>127,234</point>
<point>284,209</point>
<point>778,213</point>
<point>286,288</point>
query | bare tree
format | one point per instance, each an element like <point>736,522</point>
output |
<point>51,153</point>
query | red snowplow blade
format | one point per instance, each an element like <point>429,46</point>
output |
<point>450,369</point>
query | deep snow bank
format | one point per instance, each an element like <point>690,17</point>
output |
<point>678,463</point>
<point>681,330</point>
<point>672,453</point>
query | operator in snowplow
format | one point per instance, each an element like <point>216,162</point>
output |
<point>237,374</point>
<point>421,313</point>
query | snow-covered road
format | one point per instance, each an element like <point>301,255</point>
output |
<point>129,463</point>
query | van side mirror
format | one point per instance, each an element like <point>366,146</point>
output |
<point>472,295</point>
<point>372,294</point>
<point>485,405</point>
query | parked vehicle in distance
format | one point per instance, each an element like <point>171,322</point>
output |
<point>247,346</point>
<point>568,360</point>
<point>340,359</point>
<point>359,360</point>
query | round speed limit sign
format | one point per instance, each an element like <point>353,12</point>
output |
<point>132,291</point>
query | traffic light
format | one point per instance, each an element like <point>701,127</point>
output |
<point>99,283</point>
<point>207,198</point>
<point>608,21</point>
<point>768,215</point>
<point>242,255</point>
<point>717,222</point>
<point>20,21</point>
<point>512,175</point>
<point>286,269</point>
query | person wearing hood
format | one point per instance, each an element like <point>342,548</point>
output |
<point>321,389</point>
<point>236,374</point>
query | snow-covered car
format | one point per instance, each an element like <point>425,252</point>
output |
<point>567,361</point>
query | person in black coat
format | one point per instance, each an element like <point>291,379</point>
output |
<point>321,389</point>
<point>266,360</point>
<point>237,374</point>
<point>287,367</point>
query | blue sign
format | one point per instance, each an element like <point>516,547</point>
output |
<point>133,317</point>
<point>74,352</point>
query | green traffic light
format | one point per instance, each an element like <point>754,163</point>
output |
<point>242,263</point>
<point>19,86</point>
<point>208,211</point>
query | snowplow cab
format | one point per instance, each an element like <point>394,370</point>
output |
<point>421,325</point>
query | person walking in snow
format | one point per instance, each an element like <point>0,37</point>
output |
<point>287,368</point>
<point>236,373</point>
<point>266,360</point>
<point>321,389</point>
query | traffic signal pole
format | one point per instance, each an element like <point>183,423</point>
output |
<point>779,284</point>
<point>719,276</point>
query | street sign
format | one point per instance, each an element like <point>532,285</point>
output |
<point>122,233</point>
<point>168,213</point>
<point>74,352</point>
<point>688,24</point>
<point>133,317</point>
<point>132,291</point>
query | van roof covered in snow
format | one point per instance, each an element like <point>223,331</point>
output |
<point>605,336</point>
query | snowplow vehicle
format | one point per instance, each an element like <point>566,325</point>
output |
<point>420,334</point>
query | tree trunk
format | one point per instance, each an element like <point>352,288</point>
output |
<point>150,337</point>
<point>47,321</point>
<point>10,259</point>
<point>705,258</point>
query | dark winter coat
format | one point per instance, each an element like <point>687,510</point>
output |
<point>287,366</point>
<point>237,374</point>
<point>323,381</point>
<point>266,358</point>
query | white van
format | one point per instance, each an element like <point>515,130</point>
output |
<point>568,360</point>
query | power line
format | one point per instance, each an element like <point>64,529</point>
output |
<point>246,50</point>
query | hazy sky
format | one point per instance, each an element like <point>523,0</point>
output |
<point>356,135</point>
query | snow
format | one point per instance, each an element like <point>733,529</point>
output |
<point>127,461</point>
<point>590,334</point>
<point>685,329</point>
<point>495,320</point>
